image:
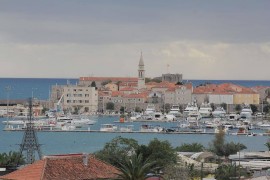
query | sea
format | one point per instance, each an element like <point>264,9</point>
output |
<point>90,142</point>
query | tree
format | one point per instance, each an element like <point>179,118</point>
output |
<point>266,109</point>
<point>254,108</point>
<point>238,108</point>
<point>224,105</point>
<point>11,160</point>
<point>160,151</point>
<point>226,172</point>
<point>194,147</point>
<point>93,84</point>
<point>122,109</point>
<point>167,107</point>
<point>106,82</point>
<point>110,106</point>
<point>176,172</point>
<point>137,109</point>
<point>117,150</point>
<point>135,168</point>
<point>222,148</point>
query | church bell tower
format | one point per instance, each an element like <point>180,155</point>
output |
<point>141,71</point>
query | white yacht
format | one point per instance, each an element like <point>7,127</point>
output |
<point>219,112</point>
<point>108,127</point>
<point>158,116</point>
<point>233,116</point>
<point>150,109</point>
<point>246,112</point>
<point>175,110</point>
<point>191,107</point>
<point>150,128</point>
<point>194,116</point>
<point>149,112</point>
<point>205,110</point>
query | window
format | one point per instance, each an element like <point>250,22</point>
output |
<point>86,101</point>
<point>86,95</point>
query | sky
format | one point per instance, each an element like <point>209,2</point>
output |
<point>206,39</point>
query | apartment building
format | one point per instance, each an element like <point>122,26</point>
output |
<point>75,98</point>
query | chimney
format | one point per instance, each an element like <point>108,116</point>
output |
<point>85,159</point>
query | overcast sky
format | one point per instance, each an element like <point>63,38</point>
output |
<point>206,39</point>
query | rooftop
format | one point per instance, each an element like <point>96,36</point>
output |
<point>72,166</point>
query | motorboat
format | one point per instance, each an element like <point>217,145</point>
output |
<point>246,112</point>
<point>175,110</point>
<point>233,117</point>
<point>127,128</point>
<point>219,112</point>
<point>194,116</point>
<point>191,107</point>
<point>205,110</point>
<point>169,117</point>
<point>150,128</point>
<point>150,109</point>
<point>149,112</point>
<point>108,127</point>
<point>158,116</point>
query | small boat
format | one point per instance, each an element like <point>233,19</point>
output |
<point>233,117</point>
<point>158,116</point>
<point>108,127</point>
<point>150,128</point>
<point>127,128</point>
<point>170,117</point>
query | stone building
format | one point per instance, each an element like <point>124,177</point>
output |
<point>174,78</point>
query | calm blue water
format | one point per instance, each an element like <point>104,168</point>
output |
<point>22,88</point>
<point>77,142</point>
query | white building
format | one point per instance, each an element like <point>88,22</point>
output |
<point>72,97</point>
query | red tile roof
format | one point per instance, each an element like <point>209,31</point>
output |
<point>141,95</point>
<point>117,93</point>
<point>113,79</point>
<point>69,167</point>
<point>226,88</point>
<point>127,89</point>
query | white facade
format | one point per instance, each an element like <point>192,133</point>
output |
<point>82,97</point>
<point>220,98</point>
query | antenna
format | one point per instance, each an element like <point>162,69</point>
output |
<point>168,66</point>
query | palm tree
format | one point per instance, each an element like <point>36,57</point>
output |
<point>136,169</point>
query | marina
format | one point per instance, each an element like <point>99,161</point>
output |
<point>91,139</point>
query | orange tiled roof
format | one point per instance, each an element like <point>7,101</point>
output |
<point>117,93</point>
<point>141,95</point>
<point>226,88</point>
<point>164,84</point>
<point>127,89</point>
<point>64,167</point>
<point>114,79</point>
